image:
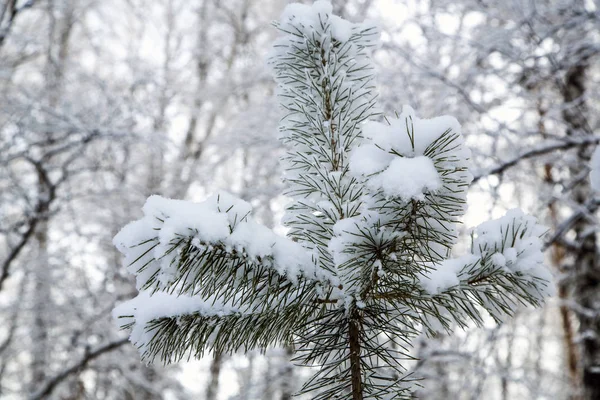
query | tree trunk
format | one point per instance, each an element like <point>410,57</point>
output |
<point>287,375</point>
<point>586,288</point>
<point>557,255</point>
<point>354,338</point>
<point>42,280</point>
<point>212,389</point>
<point>508,367</point>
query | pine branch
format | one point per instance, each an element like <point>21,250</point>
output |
<point>504,270</point>
<point>219,252</point>
<point>173,338</point>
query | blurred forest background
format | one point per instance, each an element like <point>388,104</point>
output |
<point>104,102</point>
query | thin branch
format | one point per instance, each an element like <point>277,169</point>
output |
<point>40,213</point>
<point>15,251</point>
<point>564,145</point>
<point>566,225</point>
<point>13,11</point>
<point>51,384</point>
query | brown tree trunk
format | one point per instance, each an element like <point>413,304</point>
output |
<point>557,255</point>
<point>355,370</point>
<point>586,287</point>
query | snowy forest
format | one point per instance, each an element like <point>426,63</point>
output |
<point>277,199</point>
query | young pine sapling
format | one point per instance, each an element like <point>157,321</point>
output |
<point>366,265</point>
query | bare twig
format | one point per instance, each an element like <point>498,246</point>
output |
<point>47,388</point>
<point>13,11</point>
<point>567,143</point>
<point>569,223</point>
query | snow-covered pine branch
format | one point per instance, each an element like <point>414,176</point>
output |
<point>213,263</point>
<point>372,222</point>
<point>175,246</point>
<point>504,269</point>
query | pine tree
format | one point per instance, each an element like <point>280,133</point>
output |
<point>366,265</point>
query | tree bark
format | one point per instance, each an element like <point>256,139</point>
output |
<point>355,370</point>
<point>586,288</point>
<point>557,255</point>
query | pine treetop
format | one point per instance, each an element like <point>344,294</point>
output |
<point>366,265</point>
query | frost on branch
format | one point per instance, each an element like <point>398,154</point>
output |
<point>366,265</point>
